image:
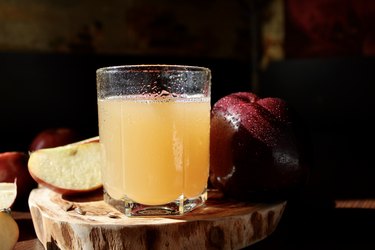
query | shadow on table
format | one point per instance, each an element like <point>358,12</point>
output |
<point>304,226</point>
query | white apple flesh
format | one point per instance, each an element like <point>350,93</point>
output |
<point>69,169</point>
<point>8,194</point>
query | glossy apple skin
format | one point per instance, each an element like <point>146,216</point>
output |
<point>255,150</point>
<point>54,137</point>
<point>14,165</point>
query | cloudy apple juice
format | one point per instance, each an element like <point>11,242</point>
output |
<point>155,151</point>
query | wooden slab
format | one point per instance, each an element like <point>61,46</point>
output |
<point>90,223</point>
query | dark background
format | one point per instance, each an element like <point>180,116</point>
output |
<point>39,91</point>
<point>327,74</point>
<point>333,96</point>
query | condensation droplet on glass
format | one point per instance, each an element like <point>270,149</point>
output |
<point>194,80</point>
<point>154,88</point>
<point>164,93</point>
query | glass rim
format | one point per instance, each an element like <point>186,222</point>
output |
<point>152,67</point>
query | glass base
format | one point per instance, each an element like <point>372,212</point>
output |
<point>178,207</point>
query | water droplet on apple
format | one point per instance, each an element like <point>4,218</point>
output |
<point>234,120</point>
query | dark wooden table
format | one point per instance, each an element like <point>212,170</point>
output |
<point>340,224</point>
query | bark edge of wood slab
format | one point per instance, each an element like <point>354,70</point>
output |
<point>89,223</point>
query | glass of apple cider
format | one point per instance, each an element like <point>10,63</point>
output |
<point>154,126</point>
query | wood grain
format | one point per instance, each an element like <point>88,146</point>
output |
<point>89,223</point>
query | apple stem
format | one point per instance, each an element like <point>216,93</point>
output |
<point>6,210</point>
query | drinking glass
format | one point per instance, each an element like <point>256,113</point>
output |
<point>154,125</point>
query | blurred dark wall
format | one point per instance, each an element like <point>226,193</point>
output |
<point>326,70</point>
<point>335,98</point>
<point>40,91</point>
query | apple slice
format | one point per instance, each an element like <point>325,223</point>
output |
<point>8,194</point>
<point>70,169</point>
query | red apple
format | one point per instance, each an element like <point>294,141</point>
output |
<point>255,150</point>
<point>70,169</point>
<point>54,137</point>
<point>13,166</point>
